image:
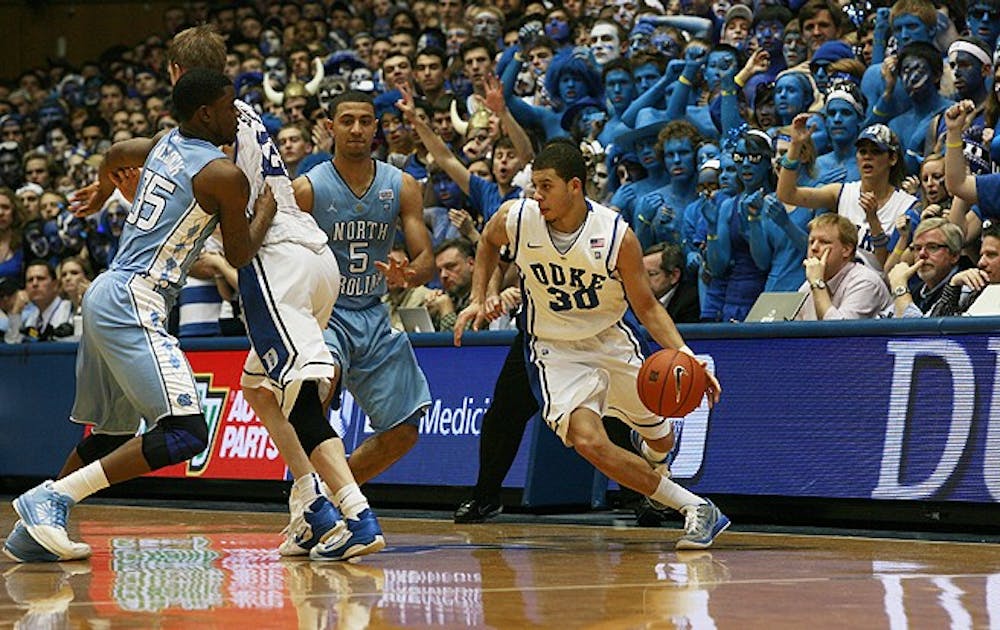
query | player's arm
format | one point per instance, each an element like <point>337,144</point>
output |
<point>649,311</point>
<point>487,257</point>
<point>303,190</point>
<point>122,155</point>
<point>222,188</point>
<point>645,305</point>
<point>418,238</point>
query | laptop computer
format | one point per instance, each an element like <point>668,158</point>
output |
<point>776,306</point>
<point>416,320</point>
<point>988,302</point>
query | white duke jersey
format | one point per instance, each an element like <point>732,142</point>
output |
<point>258,158</point>
<point>571,295</point>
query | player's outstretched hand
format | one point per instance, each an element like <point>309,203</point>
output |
<point>397,272</point>
<point>474,312</point>
<point>83,201</point>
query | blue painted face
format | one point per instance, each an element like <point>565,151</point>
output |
<point>789,98</point>
<point>820,137</point>
<point>842,122</point>
<point>752,176</point>
<point>729,174</point>
<point>679,159</point>
<point>984,22</point>
<point>908,28</point>
<point>707,152</point>
<point>968,71</point>
<point>821,74</point>
<point>448,193</point>
<point>620,89</point>
<point>571,87</point>
<point>645,76</point>
<point>916,76</point>
<point>770,36</point>
<point>718,64</point>
<point>645,149</point>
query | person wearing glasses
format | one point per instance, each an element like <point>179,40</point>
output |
<point>872,203</point>
<point>937,251</point>
<point>727,250</point>
<point>966,286</point>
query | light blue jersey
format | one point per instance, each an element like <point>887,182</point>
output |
<point>128,366</point>
<point>360,229</point>
<point>165,228</point>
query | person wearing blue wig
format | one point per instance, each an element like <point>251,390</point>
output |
<point>571,77</point>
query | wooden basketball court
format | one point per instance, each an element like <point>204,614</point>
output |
<point>181,568</point>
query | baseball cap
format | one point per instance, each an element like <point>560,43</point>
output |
<point>739,11</point>
<point>881,136</point>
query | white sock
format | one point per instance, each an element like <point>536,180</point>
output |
<point>82,483</point>
<point>350,501</point>
<point>674,495</point>
<point>305,490</point>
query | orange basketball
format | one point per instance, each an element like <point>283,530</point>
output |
<point>671,383</point>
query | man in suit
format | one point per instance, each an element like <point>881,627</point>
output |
<point>664,265</point>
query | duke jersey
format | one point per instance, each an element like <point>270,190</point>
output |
<point>574,294</point>
<point>258,158</point>
<point>166,228</point>
<point>360,229</point>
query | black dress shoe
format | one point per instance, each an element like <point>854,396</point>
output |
<point>477,511</point>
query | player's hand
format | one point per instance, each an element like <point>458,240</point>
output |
<point>714,390</point>
<point>397,272</point>
<point>126,180</point>
<point>83,201</point>
<point>474,312</point>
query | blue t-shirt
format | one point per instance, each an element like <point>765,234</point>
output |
<point>988,191</point>
<point>485,197</point>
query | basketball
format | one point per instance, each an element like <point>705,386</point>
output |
<point>671,383</point>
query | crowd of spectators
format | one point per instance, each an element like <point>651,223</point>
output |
<point>721,131</point>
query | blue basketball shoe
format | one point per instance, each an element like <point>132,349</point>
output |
<point>637,444</point>
<point>363,536</point>
<point>21,547</point>
<point>702,523</point>
<point>306,529</point>
<point>43,513</point>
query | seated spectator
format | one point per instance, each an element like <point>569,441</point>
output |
<point>664,265</point>
<point>454,261</point>
<point>398,295</point>
<point>294,144</point>
<point>45,316</point>
<point>839,286</point>
<point>965,286</point>
<point>937,245</point>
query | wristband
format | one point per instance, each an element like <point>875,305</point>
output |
<point>686,350</point>
<point>790,164</point>
<point>729,92</point>
<point>739,81</point>
<point>880,240</point>
<point>876,111</point>
<point>954,145</point>
<point>683,79</point>
<point>711,237</point>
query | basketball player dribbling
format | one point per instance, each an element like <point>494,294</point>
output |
<point>579,263</point>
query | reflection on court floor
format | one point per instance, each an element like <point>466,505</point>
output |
<point>192,568</point>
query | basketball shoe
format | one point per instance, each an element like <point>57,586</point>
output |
<point>662,465</point>
<point>362,536</point>
<point>43,513</point>
<point>309,525</point>
<point>702,523</point>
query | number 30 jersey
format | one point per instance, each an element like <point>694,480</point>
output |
<point>571,294</point>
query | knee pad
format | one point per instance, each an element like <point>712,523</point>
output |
<point>307,418</point>
<point>97,445</point>
<point>175,439</point>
